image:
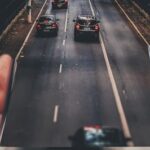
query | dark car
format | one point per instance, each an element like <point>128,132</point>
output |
<point>47,24</point>
<point>86,25</point>
<point>59,4</point>
<point>97,137</point>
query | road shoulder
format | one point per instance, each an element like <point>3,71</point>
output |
<point>12,41</point>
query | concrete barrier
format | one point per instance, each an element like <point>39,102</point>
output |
<point>149,50</point>
<point>5,76</point>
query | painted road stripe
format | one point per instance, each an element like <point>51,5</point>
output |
<point>55,119</point>
<point>120,109</point>
<point>123,119</point>
<point>65,29</point>
<point>64,42</point>
<point>93,13</point>
<point>2,131</point>
<point>60,68</point>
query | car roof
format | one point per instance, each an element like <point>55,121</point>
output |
<point>86,17</point>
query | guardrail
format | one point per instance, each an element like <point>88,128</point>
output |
<point>8,10</point>
<point>135,27</point>
<point>144,4</point>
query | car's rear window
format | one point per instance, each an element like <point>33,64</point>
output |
<point>86,22</point>
<point>46,18</point>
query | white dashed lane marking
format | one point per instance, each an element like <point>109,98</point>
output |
<point>60,68</point>
<point>55,119</point>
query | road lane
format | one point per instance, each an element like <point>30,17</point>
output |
<point>131,69</point>
<point>62,84</point>
<point>36,90</point>
<point>87,94</point>
<point>82,90</point>
<point>120,109</point>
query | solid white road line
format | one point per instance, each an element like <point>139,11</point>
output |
<point>65,29</point>
<point>13,75</point>
<point>93,13</point>
<point>122,116</point>
<point>60,68</point>
<point>56,113</point>
<point>149,51</point>
<point>2,131</point>
<point>120,109</point>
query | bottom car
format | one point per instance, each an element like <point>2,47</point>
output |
<point>97,137</point>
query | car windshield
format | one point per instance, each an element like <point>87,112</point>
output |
<point>46,18</point>
<point>86,22</point>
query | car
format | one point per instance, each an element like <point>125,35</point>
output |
<point>96,136</point>
<point>47,24</point>
<point>86,25</point>
<point>59,4</point>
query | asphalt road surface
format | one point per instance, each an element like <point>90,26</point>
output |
<point>62,85</point>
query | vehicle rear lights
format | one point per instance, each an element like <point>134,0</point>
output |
<point>77,26</point>
<point>96,27</point>
<point>54,25</point>
<point>46,21</point>
<point>38,26</point>
<point>97,126</point>
<point>93,126</point>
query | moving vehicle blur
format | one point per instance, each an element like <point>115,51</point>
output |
<point>96,136</point>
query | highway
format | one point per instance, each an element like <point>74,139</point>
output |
<point>62,85</point>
